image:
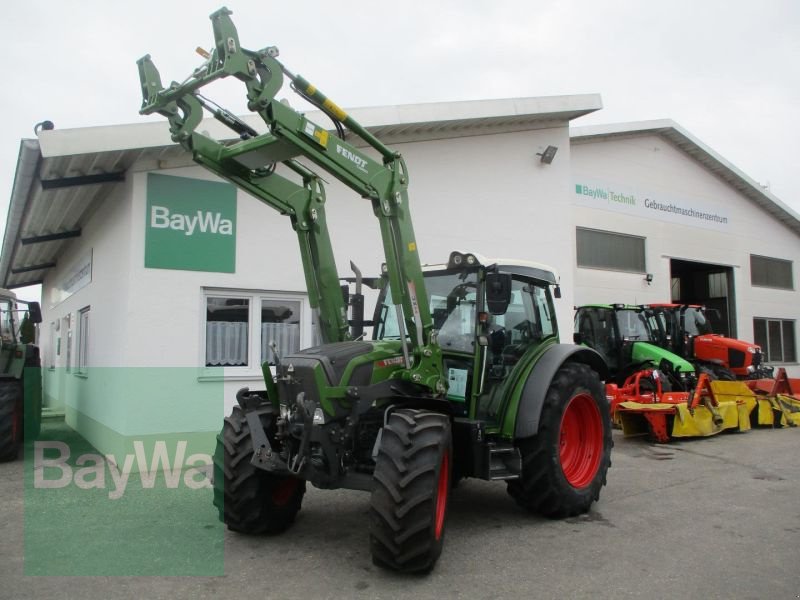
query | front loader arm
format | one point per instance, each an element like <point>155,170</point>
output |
<point>248,164</point>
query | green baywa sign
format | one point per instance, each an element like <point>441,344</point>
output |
<point>190,224</point>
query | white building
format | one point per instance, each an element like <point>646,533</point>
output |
<point>631,213</point>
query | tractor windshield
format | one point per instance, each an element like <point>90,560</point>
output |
<point>633,325</point>
<point>695,322</point>
<point>452,297</point>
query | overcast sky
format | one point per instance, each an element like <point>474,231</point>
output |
<point>727,71</point>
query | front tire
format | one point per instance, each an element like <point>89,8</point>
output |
<point>251,500</point>
<point>564,465</point>
<point>11,421</point>
<point>412,476</point>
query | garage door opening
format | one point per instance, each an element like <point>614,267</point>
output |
<point>708,285</point>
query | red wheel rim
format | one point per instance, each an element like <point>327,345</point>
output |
<point>442,489</point>
<point>580,440</point>
<point>284,491</point>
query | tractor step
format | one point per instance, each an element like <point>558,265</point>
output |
<point>504,462</point>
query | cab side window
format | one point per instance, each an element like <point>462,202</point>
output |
<point>527,322</point>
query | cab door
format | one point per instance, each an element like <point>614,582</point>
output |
<point>528,321</point>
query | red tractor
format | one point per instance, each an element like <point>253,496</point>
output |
<point>685,330</point>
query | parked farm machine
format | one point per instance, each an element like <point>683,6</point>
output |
<point>654,391</point>
<point>464,376</point>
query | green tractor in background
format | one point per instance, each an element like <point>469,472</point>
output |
<point>627,338</point>
<point>464,376</point>
<point>20,374</point>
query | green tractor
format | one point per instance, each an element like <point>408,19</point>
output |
<point>464,375</point>
<point>20,374</point>
<point>627,338</point>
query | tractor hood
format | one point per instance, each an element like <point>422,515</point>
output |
<point>645,351</point>
<point>720,341</point>
<point>741,357</point>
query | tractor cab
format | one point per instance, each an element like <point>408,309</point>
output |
<point>17,330</point>
<point>628,338</point>
<point>677,325</point>
<point>490,317</point>
<point>685,330</point>
<point>20,377</point>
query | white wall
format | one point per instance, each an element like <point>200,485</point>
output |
<point>169,307</point>
<point>487,194</point>
<point>652,164</point>
<point>484,194</point>
<point>108,236</point>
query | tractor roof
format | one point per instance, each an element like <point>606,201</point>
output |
<point>673,305</point>
<point>515,266</point>
<point>618,306</point>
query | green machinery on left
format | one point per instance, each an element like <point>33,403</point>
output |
<point>20,374</point>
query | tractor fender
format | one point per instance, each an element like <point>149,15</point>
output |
<point>532,399</point>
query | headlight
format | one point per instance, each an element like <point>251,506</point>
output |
<point>752,349</point>
<point>319,417</point>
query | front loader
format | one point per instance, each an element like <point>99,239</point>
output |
<point>464,376</point>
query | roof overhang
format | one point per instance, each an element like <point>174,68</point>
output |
<point>63,175</point>
<point>685,141</point>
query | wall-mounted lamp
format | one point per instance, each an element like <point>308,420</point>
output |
<point>648,278</point>
<point>548,155</point>
<point>46,125</point>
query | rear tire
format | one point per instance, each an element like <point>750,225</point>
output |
<point>723,373</point>
<point>251,500</point>
<point>716,372</point>
<point>408,507</point>
<point>564,465</point>
<point>11,421</point>
<point>32,394</point>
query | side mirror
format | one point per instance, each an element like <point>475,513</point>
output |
<point>34,312</point>
<point>498,292</point>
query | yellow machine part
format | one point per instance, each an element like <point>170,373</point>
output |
<point>779,411</point>
<point>776,411</point>
<point>700,421</point>
<point>736,402</point>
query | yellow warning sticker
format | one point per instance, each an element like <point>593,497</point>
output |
<point>334,109</point>
<point>311,89</point>
<point>322,137</point>
<point>412,247</point>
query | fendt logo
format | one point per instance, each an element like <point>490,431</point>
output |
<point>202,221</point>
<point>352,157</point>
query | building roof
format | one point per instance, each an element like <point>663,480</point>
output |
<point>63,175</point>
<point>685,141</point>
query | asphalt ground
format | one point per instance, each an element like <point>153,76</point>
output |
<point>708,518</point>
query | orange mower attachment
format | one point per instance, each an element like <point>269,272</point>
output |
<point>778,400</point>
<point>641,407</point>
